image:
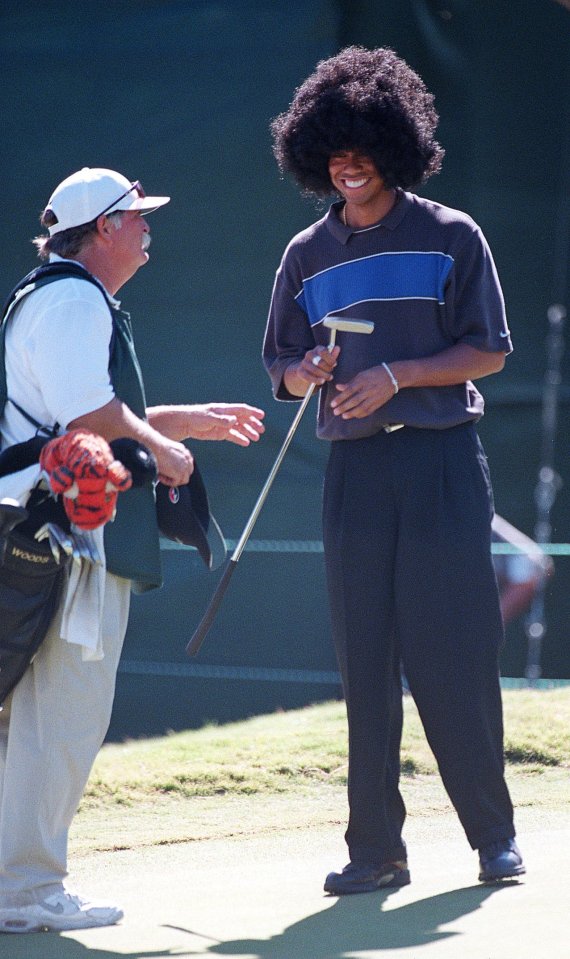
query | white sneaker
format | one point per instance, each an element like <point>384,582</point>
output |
<point>59,912</point>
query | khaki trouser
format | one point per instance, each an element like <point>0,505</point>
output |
<point>51,730</point>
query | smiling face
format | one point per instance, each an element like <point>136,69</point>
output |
<point>355,177</point>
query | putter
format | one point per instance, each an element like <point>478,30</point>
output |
<point>336,324</point>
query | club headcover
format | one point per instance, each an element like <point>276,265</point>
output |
<point>134,455</point>
<point>81,468</point>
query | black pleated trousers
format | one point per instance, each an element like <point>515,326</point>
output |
<point>407,536</point>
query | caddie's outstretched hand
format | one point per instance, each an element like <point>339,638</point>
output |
<point>235,422</point>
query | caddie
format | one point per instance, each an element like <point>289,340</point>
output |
<point>70,363</point>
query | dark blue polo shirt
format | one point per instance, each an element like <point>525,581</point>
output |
<point>424,275</point>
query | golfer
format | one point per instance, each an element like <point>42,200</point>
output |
<point>407,496</point>
<point>70,360</point>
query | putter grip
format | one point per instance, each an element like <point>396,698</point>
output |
<point>208,617</point>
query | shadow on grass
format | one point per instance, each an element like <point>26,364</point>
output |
<point>359,924</point>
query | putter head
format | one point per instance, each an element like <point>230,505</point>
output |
<point>343,324</point>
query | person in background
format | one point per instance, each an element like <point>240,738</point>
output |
<point>521,573</point>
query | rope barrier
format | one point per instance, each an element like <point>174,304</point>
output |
<point>316,546</point>
<point>276,675</point>
<point>268,674</point>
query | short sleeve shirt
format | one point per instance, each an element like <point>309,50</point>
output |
<point>57,356</point>
<point>426,278</point>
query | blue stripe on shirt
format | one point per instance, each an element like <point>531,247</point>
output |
<point>384,276</point>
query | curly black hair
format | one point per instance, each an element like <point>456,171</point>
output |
<point>360,99</point>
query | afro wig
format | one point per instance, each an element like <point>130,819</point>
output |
<point>360,99</point>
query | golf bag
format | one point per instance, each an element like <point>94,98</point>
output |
<point>31,588</point>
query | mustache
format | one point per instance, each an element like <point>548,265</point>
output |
<point>146,241</point>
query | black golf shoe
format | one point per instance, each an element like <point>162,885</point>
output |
<point>367,877</point>
<point>500,860</point>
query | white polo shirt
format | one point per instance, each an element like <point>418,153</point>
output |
<point>57,356</point>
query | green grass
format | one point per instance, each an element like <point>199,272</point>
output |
<point>302,750</point>
<point>267,754</point>
<point>287,771</point>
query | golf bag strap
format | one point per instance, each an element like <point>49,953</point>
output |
<point>50,431</point>
<point>44,274</point>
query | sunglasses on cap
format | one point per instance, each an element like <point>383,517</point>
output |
<point>136,186</point>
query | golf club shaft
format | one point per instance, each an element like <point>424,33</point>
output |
<point>269,481</point>
<point>208,617</point>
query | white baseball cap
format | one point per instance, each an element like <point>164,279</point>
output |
<point>90,192</point>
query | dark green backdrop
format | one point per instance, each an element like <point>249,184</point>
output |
<point>180,95</point>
